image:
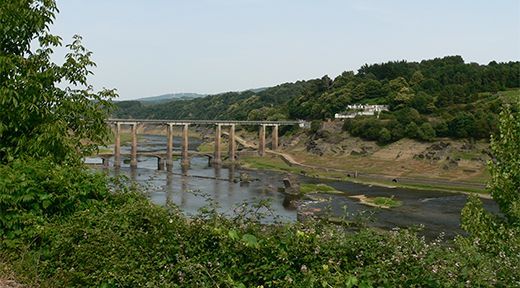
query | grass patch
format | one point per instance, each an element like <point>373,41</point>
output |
<point>313,188</point>
<point>466,155</point>
<point>268,163</point>
<point>510,94</point>
<point>386,201</point>
<point>443,188</point>
<point>209,147</point>
<point>206,147</point>
<point>105,150</point>
<point>125,137</point>
<point>380,202</point>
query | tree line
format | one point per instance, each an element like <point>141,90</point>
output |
<point>439,97</point>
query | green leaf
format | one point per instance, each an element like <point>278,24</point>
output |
<point>249,240</point>
<point>233,234</point>
<point>351,281</point>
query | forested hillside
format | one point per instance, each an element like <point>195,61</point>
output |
<point>439,97</point>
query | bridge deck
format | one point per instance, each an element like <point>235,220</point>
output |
<point>202,122</point>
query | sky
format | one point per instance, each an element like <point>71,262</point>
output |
<point>148,48</point>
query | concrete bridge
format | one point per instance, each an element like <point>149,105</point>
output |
<point>215,159</point>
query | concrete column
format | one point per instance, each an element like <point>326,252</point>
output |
<point>169,188</point>
<point>117,146</point>
<point>261,141</point>
<point>185,145</point>
<point>275,137</point>
<point>232,143</point>
<point>160,163</point>
<point>231,175</point>
<point>217,160</point>
<point>133,174</point>
<point>133,161</point>
<point>169,147</point>
<point>105,162</point>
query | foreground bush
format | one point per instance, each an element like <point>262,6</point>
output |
<point>34,191</point>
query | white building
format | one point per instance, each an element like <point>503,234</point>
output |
<point>361,109</point>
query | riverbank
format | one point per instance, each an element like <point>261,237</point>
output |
<point>275,163</point>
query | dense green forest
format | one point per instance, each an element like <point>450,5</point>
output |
<point>441,97</point>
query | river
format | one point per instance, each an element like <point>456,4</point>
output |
<point>202,186</point>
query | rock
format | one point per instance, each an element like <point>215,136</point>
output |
<point>365,150</point>
<point>434,152</point>
<point>336,150</point>
<point>467,146</point>
<point>451,164</point>
<point>290,202</point>
<point>244,177</point>
<point>313,147</point>
<point>291,186</point>
<point>324,134</point>
<point>439,146</point>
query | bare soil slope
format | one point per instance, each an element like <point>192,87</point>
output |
<point>447,159</point>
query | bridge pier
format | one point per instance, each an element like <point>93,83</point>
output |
<point>274,133</point>
<point>261,140</point>
<point>117,146</point>
<point>217,155</point>
<point>185,161</point>
<point>169,147</point>
<point>232,143</point>
<point>133,160</point>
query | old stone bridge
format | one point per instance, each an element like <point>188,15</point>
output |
<point>215,158</point>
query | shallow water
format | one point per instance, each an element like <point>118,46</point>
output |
<point>202,185</point>
<point>438,211</point>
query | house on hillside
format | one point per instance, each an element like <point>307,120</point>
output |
<point>361,109</point>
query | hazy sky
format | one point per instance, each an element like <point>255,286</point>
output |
<point>146,48</point>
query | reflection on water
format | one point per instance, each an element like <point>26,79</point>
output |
<point>201,185</point>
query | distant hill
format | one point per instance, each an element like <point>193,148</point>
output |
<point>182,96</point>
<point>256,90</point>
<point>170,97</point>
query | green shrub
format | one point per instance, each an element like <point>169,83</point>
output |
<point>32,191</point>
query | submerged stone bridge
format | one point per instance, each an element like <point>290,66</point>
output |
<point>215,159</point>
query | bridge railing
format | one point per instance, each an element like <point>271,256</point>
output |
<point>206,122</point>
